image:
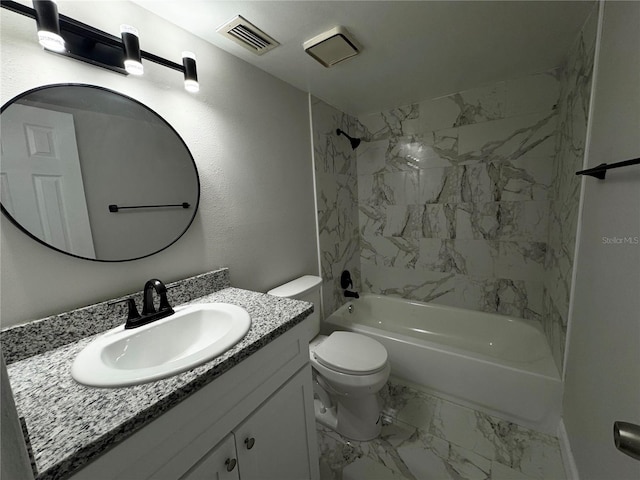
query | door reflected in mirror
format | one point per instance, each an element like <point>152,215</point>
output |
<point>69,152</point>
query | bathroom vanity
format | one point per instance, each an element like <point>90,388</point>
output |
<point>247,414</point>
<point>250,423</point>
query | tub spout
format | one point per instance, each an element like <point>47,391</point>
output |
<point>350,294</point>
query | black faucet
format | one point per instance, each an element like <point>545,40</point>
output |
<point>346,282</point>
<point>147,305</point>
<point>149,313</point>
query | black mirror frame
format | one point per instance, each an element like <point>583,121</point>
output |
<point>197,203</point>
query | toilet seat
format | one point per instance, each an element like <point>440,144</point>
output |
<point>351,353</point>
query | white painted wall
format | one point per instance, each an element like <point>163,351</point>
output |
<point>249,135</point>
<point>602,382</point>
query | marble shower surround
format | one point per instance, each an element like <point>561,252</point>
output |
<point>468,200</point>
<point>453,196</point>
<point>575,91</point>
<point>337,200</point>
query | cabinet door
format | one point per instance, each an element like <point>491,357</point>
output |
<point>219,464</point>
<point>277,441</point>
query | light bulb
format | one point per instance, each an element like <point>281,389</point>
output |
<point>48,25</point>
<point>51,41</point>
<point>191,86</point>
<point>133,60</point>
<point>190,72</point>
<point>134,67</point>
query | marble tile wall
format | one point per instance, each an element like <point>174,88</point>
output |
<point>468,200</point>
<point>453,196</point>
<point>337,200</point>
<point>564,196</point>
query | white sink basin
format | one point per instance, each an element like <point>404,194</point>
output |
<point>191,336</point>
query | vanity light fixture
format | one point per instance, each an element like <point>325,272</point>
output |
<point>46,12</point>
<point>190,73</point>
<point>131,46</point>
<point>66,36</point>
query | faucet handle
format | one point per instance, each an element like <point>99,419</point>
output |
<point>345,280</point>
<point>131,304</point>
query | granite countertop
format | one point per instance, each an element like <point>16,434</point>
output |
<point>69,424</point>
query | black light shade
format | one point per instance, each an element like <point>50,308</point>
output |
<point>190,72</point>
<point>131,47</point>
<point>48,25</point>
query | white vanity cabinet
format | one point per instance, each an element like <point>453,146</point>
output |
<point>265,402</point>
<point>221,463</point>
<point>268,445</point>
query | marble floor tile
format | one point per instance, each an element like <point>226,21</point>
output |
<point>431,458</point>
<point>401,452</point>
<point>463,427</point>
<point>366,468</point>
<point>407,405</point>
<point>428,438</point>
<point>341,458</point>
<point>502,472</point>
<point>531,453</point>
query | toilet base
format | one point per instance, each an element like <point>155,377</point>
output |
<point>354,418</point>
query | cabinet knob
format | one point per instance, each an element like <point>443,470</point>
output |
<point>231,464</point>
<point>249,442</point>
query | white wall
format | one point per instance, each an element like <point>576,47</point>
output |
<point>249,135</point>
<point>603,362</point>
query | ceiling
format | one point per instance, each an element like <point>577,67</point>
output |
<point>412,50</point>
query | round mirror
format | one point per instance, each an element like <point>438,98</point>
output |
<point>95,174</point>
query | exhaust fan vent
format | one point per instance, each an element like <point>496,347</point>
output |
<point>332,46</point>
<point>248,35</point>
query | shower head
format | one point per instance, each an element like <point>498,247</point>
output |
<point>354,141</point>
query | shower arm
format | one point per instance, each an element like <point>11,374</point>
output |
<point>354,141</point>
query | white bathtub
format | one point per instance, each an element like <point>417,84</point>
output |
<point>500,364</point>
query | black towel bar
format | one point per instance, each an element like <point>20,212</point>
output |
<point>600,171</point>
<point>115,208</point>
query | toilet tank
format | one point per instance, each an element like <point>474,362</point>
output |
<point>306,288</point>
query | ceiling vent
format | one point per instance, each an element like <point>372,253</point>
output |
<point>332,46</point>
<point>248,35</point>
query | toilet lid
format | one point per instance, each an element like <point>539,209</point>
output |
<point>351,353</point>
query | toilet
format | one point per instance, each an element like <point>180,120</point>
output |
<point>349,369</point>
